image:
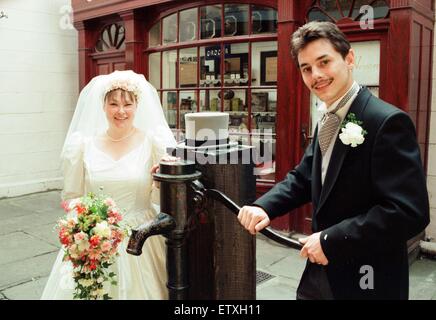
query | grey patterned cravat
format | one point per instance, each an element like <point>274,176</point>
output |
<point>331,121</point>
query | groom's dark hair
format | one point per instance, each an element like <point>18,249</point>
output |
<point>319,30</point>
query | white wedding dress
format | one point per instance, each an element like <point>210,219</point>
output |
<point>128,181</point>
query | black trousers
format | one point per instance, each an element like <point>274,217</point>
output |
<point>314,284</point>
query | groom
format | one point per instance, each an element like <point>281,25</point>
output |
<point>366,181</point>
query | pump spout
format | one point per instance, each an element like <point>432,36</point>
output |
<point>162,224</point>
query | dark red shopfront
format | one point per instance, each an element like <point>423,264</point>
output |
<point>179,47</point>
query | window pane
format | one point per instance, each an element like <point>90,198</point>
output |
<point>367,68</point>
<point>209,100</point>
<point>154,35</point>
<point>264,20</point>
<point>154,69</point>
<point>235,104</point>
<point>210,57</point>
<point>263,110</point>
<point>264,63</point>
<point>188,67</point>
<point>188,25</point>
<point>263,137</point>
<point>170,29</point>
<point>169,69</point>
<point>316,14</point>
<point>236,65</point>
<point>188,104</point>
<point>331,8</point>
<point>235,20</point>
<point>381,9</point>
<point>265,147</point>
<point>210,18</point>
<point>169,104</point>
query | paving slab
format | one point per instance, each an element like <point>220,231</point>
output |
<point>422,278</point>
<point>278,288</point>
<point>22,271</point>
<point>270,252</point>
<point>21,246</point>
<point>39,202</point>
<point>20,223</point>
<point>9,210</point>
<point>31,290</point>
<point>47,233</point>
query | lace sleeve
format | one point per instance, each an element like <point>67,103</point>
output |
<point>73,169</point>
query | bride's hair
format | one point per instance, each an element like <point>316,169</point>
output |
<point>123,95</point>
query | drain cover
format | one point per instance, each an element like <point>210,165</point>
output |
<point>262,277</point>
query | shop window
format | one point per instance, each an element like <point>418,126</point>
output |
<point>169,104</point>
<point>188,68</point>
<point>236,65</point>
<point>210,62</point>
<point>336,10</point>
<point>210,19</point>
<point>264,20</point>
<point>235,20</point>
<point>154,69</point>
<point>154,35</point>
<point>217,74</point>
<point>188,104</point>
<point>209,100</point>
<point>188,25</point>
<point>264,63</point>
<point>169,66</point>
<point>169,25</point>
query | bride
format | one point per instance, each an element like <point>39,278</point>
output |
<point>117,136</point>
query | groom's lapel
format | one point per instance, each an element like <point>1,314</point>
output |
<point>340,150</point>
<point>316,171</point>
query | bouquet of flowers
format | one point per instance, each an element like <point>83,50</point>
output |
<point>90,234</point>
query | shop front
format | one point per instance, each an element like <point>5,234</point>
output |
<point>234,56</point>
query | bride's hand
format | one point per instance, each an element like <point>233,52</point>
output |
<point>155,168</point>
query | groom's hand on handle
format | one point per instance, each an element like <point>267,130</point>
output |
<point>312,249</point>
<point>253,218</point>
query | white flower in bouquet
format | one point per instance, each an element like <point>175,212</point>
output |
<point>86,282</point>
<point>102,229</point>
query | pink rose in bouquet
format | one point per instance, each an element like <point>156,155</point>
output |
<point>90,234</point>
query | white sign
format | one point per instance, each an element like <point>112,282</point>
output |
<point>367,62</point>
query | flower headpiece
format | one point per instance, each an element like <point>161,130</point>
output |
<point>124,84</point>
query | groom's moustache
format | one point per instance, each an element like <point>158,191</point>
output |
<point>321,81</point>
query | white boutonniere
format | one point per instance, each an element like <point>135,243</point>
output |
<point>352,132</point>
